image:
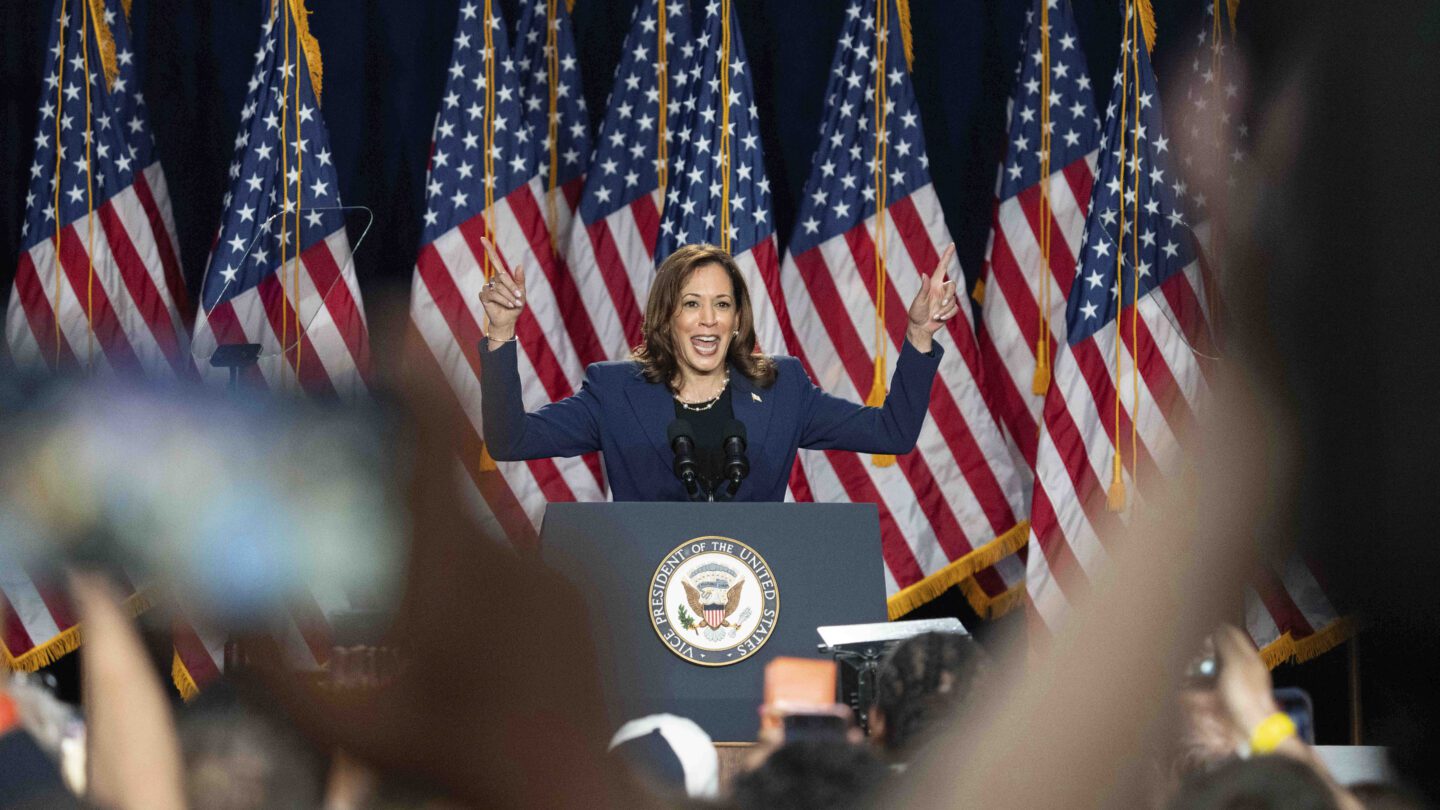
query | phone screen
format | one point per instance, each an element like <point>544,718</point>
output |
<point>822,727</point>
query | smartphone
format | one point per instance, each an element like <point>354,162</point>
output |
<point>1296,702</point>
<point>815,727</point>
<point>800,700</point>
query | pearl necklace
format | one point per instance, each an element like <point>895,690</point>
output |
<point>706,405</point>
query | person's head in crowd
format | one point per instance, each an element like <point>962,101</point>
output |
<point>1384,796</point>
<point>924,679</point>
<point>1261,783</point>
<point>238,757</point>
<point>671,755</point>
<point>812,774</point>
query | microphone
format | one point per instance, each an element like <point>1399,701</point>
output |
<point>681,438</point>
<point>737,464</point>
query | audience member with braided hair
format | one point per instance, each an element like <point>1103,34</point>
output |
<point>928,677</point>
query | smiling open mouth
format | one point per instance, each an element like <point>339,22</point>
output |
<point>706,345</point>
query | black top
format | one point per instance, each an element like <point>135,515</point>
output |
<point>709,426</point>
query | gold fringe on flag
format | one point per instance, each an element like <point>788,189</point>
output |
<point>105,42</point>
<point>959,572</point>
<point>183,680</point>
<point>1147,23</point>
<point>1234,9</point>
<point>66,642</point>
<point>906,38</point>
<point>991,607</point>
<point>308,43</point>
<point>1289,650</point>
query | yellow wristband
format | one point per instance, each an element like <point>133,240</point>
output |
<point>1272,731</point>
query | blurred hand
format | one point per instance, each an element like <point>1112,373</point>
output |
<point>1207,734</point>
<point>133,755</point>
<point>503,297</point>
<point>1243,682</point>
<point>934,304</point>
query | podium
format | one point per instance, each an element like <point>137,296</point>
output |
<point>687,602</point>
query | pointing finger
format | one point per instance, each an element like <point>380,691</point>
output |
<point>945,258</point>
<point>502,274</point>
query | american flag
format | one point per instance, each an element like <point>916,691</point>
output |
<point>138,304</point>
<point>1216,131</point>
<point>1052,90</point>
<point>557,131</point>
<point>612,252</point>
<point>475,149</point>
<point>717,190</point>
<point>1287,612</point>
<point>305,311</point>
<point>98,285</point>
<point>1131,374</point>
<point>281,273</point>
<point>953,509</point>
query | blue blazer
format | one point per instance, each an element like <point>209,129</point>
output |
<point>624,416</point>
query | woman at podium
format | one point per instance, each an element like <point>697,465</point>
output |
<point>695,405</point>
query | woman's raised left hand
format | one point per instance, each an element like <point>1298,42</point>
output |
<point>934,304</point>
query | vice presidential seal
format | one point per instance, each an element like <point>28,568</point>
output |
<point>714,601</point>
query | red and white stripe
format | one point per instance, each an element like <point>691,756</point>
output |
<point>1288,614</point>
<point>302,633</point>
<point>553,329</point>
<point>959,491</point>
<point>613,260</point>
<point>313,336</point>
<point>1010,311</point>
<point>120,291</point>
<point>1070,525</point>
<point>38,624</point>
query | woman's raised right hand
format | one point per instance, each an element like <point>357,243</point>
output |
<point>503,296</point>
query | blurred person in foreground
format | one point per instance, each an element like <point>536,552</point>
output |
<point>1323,429</point>
<point>924,680</point>
<point>1336,291</point>
<point>488,710</point>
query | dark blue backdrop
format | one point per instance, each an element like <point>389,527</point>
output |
<point>384,71</point>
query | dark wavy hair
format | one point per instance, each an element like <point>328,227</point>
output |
<point>923,681</point>
<point>657,354</point>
